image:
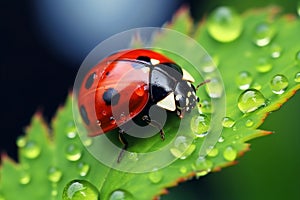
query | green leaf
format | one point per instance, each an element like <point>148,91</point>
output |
<point>49,158</point>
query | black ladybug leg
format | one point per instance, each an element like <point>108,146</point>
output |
<point>125,144</point>
<point>156,124</point>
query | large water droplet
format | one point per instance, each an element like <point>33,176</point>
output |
<point>263,34</point>
<point>181,148</point>
<point>200,125</point>
<point>120,195</point>
<point>83,169</point>
<point>250,100</point>
<point>214,88</point>
<point>24,178</point>
<point>31,150</point>
<point>279,83</point>
<point>80,189</point>
<point>276,51</point>
<point>73,152</point>
<point>297,77</point>
<point>54,174</point>
<point>264,65</point>
<point>228,122</point>
<point>155,176</point>
<point>230,153</point>
<point>202,166</point>
<point>224,24</point>
<point>244,80</point>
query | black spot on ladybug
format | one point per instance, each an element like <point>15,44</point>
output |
<point>111,96</point>
<point>84,115</point>
<point>90,80</point>
<point>107,73</point>
<point>144,58</point>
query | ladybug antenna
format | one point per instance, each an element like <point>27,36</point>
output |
<point>203,83</point>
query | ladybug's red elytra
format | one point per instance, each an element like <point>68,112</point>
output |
<point>126,84</point>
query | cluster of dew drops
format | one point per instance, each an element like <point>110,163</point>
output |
<point>224,25</point>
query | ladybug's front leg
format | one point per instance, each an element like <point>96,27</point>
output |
<point>124,142</point>
<point>155,124</point>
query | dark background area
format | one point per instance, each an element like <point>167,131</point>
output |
<point>36,75</point>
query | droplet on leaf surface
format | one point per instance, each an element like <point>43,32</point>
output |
<point>250,100</point>
<point>225,24</point>
<point>79,190</point>
<point>279,83</point>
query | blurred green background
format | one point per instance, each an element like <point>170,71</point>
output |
<point>271,169</point>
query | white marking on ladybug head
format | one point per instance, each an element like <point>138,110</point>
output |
<point>178,96</point>
<point>154,61</point>
<point>168,102</point>
<point>189,94</point>
<point>187,76</point>
<point>187,102</point>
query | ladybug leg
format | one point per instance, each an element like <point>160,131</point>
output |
<point>124,142</point>
<point>155,124</point>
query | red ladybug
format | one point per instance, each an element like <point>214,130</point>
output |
<point>125,85</point>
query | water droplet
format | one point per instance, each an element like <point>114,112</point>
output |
<point>249,123</point>
<point>31,150</point>
<point>112,120</point>
<point>212,152</point>
<point>297,77</point>
<point>298,56</point>
<point>205,107</point>
<point>25,178</point>
<point>202,166</point>
<point>263,34</point>
<point>21,142</point>
<point>221,139</point>
<point>229,153</point>
<point>256,86</point>
<point>155,176</point>
<point>54,191</point>
<point>71,130</point>
<point>228,122</point>
<point>279,83</point>
<point>224,24</point>
<point>83,169</point>
<point>80,189</point>
<point>276,51</point>
<point>122,117</point>
<point>250,100</point>
<point>181,148</point>
<point>244,80</point>
<point>214,88</point>
<point>183,170</point>
<point>133,156</point>
<point>200,125</point>
<point>120,195</point>
<point>73,152</point>
<point>263,65</point>
<point>54,174</point>
<point>87,142</point>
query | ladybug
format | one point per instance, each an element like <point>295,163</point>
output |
<point>123,87</point>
